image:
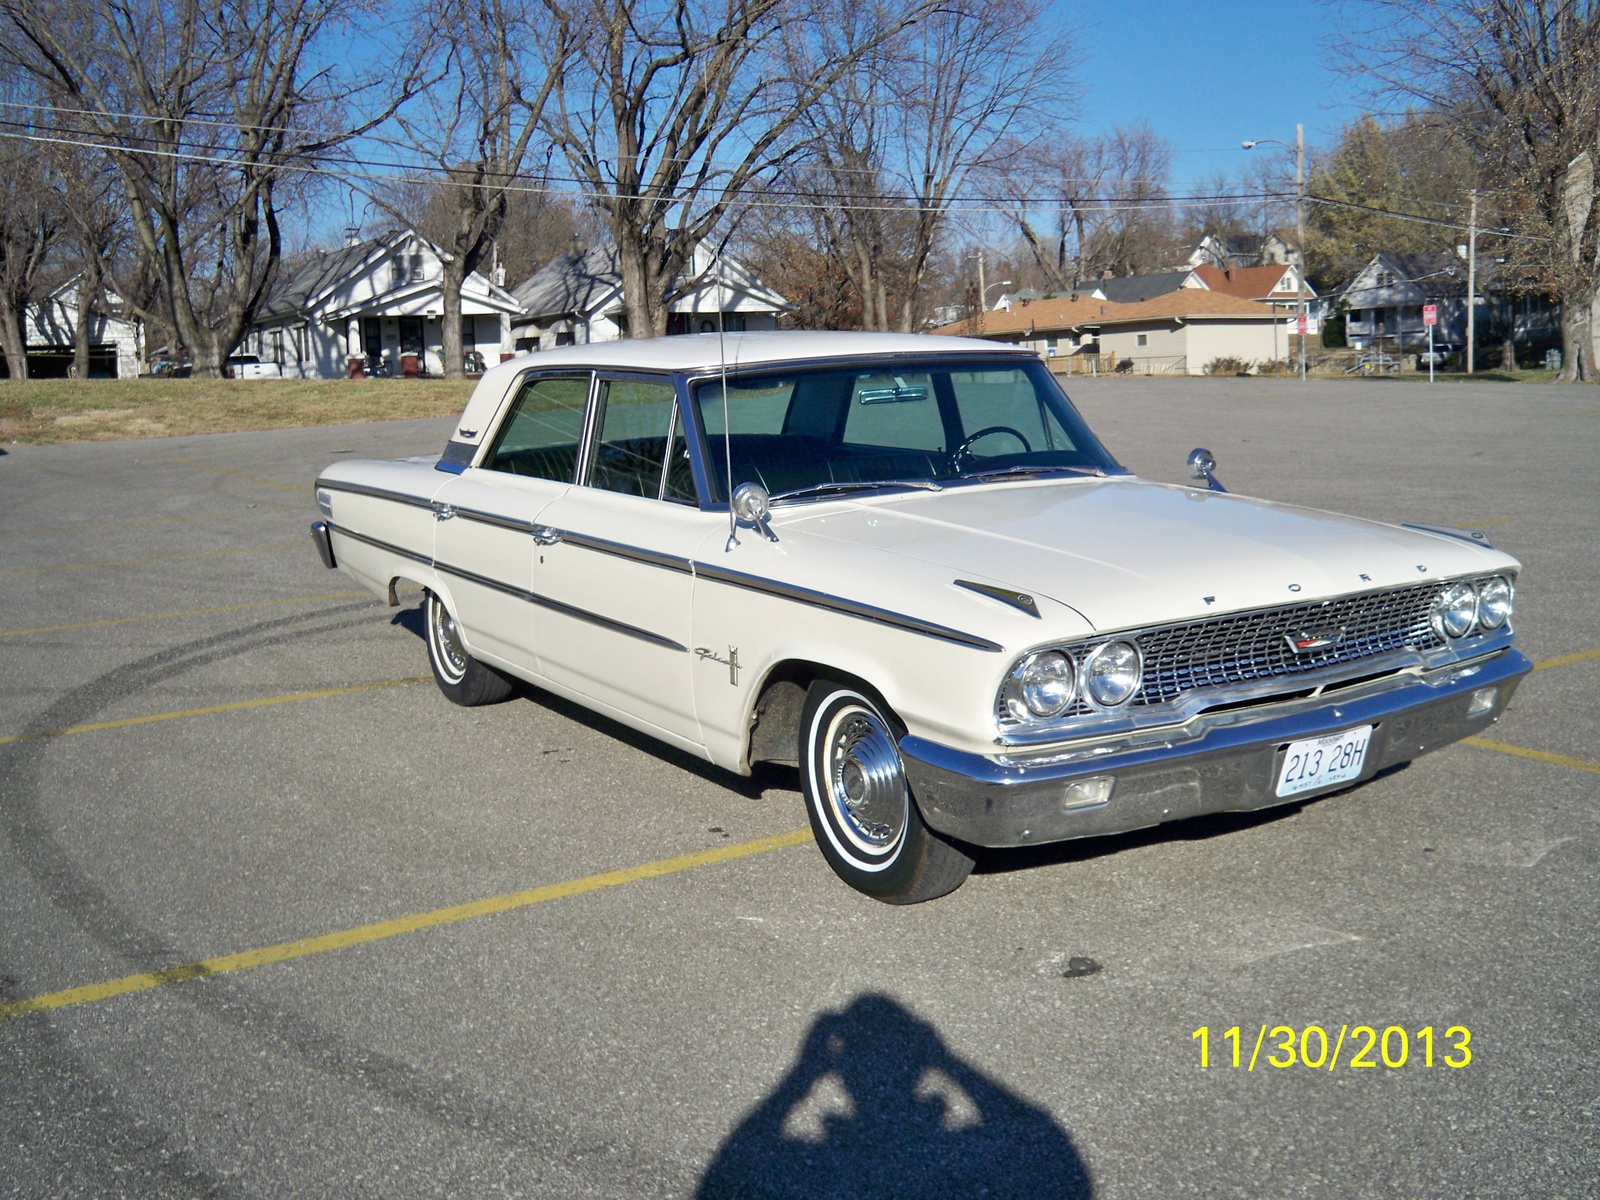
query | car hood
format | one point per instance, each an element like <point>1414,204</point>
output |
<point>1126,552</point>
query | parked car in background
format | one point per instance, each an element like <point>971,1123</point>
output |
<point>250,366</point>
<point>1441,353</point>
<point>907,567</point>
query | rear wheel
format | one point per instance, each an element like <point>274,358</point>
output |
<point>862,812</point>
<point>462,678</point>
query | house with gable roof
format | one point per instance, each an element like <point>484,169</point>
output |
<point>378,297</point>
<point>576,298</point>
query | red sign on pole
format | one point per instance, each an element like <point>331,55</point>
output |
<point>1300,325</point>
<point>1430,314</point>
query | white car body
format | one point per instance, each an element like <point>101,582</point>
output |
<point>249,366</point>
<point>646,611</point>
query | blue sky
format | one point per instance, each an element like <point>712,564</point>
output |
<point>1209,75</point>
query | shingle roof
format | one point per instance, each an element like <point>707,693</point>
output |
<point>295,288</point>
<point>1247,283</point>
<point>570,285</point>
<point>1130,289</point>
<point>1189,303</point>
<point>1063,312</point>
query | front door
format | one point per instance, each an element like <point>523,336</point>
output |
<point>614,620</point>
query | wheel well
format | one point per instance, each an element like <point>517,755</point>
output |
<point>774,734</point>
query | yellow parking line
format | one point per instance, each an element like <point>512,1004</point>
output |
<point>188,612</point>
<point>378,930</point>
<point>1566,660</point>
<point>235,706</point>
<point>154,558</point>
<point>1544,756</point>
<point>291,487</point>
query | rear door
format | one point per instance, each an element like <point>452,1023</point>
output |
<point>487,518</point>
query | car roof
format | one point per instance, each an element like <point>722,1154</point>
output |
<point>705,352</point>
<point>709,351</point>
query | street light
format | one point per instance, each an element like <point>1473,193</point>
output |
<point>983,289</point>
<point>1299,224</point>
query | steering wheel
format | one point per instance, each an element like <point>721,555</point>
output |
<point>965,449</point>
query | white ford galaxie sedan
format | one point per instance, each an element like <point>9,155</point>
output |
<point>905,565</point>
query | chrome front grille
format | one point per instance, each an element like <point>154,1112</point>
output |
<point>1251,646</point>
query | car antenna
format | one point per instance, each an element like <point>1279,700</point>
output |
<point>727,436</point>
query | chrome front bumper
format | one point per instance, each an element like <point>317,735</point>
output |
<point>1218,762</point>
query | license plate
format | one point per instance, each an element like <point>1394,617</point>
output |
<point>1324,761</point>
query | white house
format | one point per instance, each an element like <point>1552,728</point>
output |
<point>377,297</point>
<point>576,298</point>
<point>1384,303</point>
<point>116,344</point>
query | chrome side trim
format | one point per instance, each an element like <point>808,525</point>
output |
<point>323,543</point>
<point>1017,600</point>
<point>424,559</point>
<point>637,554</point>
<point>499,522</point>
<point>377,493</point>
<point>850,608</point>
<point>557,606</point>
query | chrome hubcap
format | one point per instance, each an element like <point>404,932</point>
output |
<point>448,637</point>
<point>866,782</point>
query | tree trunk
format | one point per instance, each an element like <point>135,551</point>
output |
<point>645,312</point>
<point>1508,354</point>
<point>12,340</point>
<point>88,297</point>
<point>450,282</point>
<point>1577,354</point>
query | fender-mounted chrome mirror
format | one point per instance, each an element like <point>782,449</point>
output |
<point>1201,464</point>
<point>752,507</point>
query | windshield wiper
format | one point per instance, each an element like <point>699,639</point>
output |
<point>1021,472</point>
<point>861,485</point>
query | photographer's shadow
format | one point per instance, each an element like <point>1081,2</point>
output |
<point>878,1106</point>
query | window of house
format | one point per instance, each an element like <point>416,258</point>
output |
<point>469,332</point>
<point>371,335</point>
<point>277,346</point>
<point>1142,339</point>
<point>411,335</point>
<point>1385,278</point>
<point>564,339</point>
<point>638,425</point>
<point>540,435</point>
<point>1355,315</point>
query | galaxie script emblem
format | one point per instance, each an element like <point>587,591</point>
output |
<point>1306,641</point>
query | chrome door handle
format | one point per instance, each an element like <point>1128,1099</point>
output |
<point>443,512</point>
<point>545,535</point>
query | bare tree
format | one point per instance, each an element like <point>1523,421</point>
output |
<point>94,230</point>
<point>29,227</point>
<point>208,109</point>
<point>495,64</point>
<point>1519,81</point>
<point>1107,198</point>
<point>672,110</point>
<point>950,99</point>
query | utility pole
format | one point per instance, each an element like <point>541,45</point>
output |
<point>1472,282</point>
<point>983,292</point>
<point>1300,236</point>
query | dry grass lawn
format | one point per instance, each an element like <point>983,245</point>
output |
<point>40,411</point>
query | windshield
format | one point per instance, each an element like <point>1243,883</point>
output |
<point>913,422</point>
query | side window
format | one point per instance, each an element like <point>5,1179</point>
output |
<point>637,424</point>
<point>540,434</point>
<point>1006,403</point>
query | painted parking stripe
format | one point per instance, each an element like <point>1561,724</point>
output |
<point>188,612</point>
<point>1566,660</point>
<point>378,930</point>
<point>153,558</point>
<point>1544,756</point>
<point>289,487</point>
<point>235,706</point>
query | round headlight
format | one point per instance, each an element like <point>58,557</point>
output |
<point>1112,673</point>
<point>1048,683</point>
<point>1494,602</point>
<point>1455,610</point>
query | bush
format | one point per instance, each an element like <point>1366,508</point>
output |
<point>1228,365</point>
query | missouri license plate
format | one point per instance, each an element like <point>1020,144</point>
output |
<point>1324,761</point>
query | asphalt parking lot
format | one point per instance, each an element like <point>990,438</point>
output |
<point>293,925</point>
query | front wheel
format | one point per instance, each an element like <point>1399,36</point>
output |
<point>463,679</point>
<point>860,805</point>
